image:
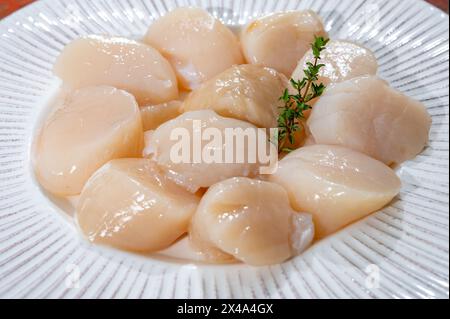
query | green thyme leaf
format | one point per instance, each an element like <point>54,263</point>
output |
<point>295,104</point>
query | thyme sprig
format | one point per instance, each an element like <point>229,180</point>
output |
<point>306,89</point>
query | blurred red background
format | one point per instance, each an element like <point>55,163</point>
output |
<point>9,6</point>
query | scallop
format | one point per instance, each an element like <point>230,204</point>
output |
<point>367,115</point>
<point>250,220</point>
<point>86,129</point>
<point>125,64</point>
<point>280,40</point>
<point>200,148</point>
<point>148,150</point>
<point>130,204</point>
<point>342,61</point>
<point>246,92</point>
<point>336,185</point>
<point>197,45</point>
<point>155,115</point>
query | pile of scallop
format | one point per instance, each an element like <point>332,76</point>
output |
<point>106,141</point>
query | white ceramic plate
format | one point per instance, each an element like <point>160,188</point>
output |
<point>399,252</point>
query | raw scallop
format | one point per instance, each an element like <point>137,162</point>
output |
<point>197,171</point>
<point>343,61</point>
<point>337,185</point>
<point>246,92</point>
<point>250,220</point>
<point>125,64</point>
<point>130,204</point>
<point>367,115</point>
<point>87,128</point>
<point>280,40</point>
<point>198,46</point>
<point>155,115</point>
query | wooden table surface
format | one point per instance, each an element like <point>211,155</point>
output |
<point>9,6</point>
<point>442,4</point>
